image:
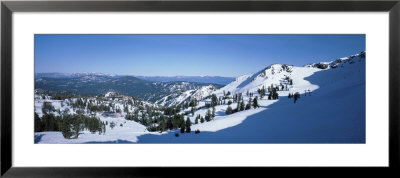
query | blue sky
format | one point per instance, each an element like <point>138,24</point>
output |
<point>186,55</point>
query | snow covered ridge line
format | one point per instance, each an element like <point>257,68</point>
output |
<point>279,68</point>
<point>321,65</point>
<point>284,74</point>
<point>335,63</point>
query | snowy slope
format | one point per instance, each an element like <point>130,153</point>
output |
<point>128,132</point>
<point>274,75</point>
<point>176,98</point>
<point>334,113</point>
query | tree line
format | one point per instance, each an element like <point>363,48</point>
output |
<point>69,124</point>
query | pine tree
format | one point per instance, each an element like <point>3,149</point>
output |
<point>112,124</point>
<point>170,126</point>
<point>192,110</point>
<point>38,123</point>
<point>261,92</point>
<point>126,110</point>
<point>77,125</point>
<point>188,124</point>
<point>163,124</point>
<point>275,95</point>
<point>248,106</point>
<point>250,102</point>
<point>296,96</point>
<point>213,112</point>
<point>66,126</point>
<point>183,128</point>
<point>207,117</point>
<point>127,116</point>
<point>228,110</point>
<point>255,102</point>
<point>181,119</point>
<point>144,119</point>
<point>214,100</point>
<point>202,119</point>
<point>136,115</point>
<point>242,106</point>
<point>104,129</point>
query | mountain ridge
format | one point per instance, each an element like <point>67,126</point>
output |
<point>200,79</point>
<point>127,85</point>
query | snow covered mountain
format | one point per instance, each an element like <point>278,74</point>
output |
<point>273,75</point>
<point>330,109</point>
<point>281,74</point>
<point>179,98</point>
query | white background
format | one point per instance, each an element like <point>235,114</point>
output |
<point>373,153</point>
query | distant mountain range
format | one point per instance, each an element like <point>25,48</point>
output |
<point>198,79</point>
<point>201,79</point>
<point>96,83</point>
<point>71,75</point>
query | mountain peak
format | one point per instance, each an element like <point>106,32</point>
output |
<point>276,68</point>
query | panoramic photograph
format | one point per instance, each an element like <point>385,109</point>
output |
<point>199,88</point>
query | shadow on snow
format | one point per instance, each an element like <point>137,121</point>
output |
<point>38,137</point>
<point>326,116</point>
<point>119,141</point>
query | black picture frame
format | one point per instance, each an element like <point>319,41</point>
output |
<point>8,7</point>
